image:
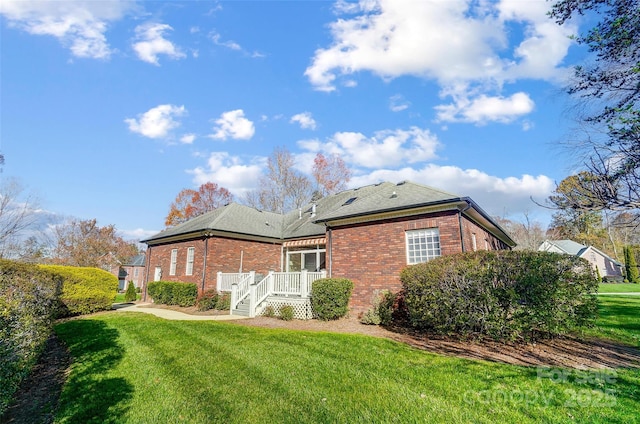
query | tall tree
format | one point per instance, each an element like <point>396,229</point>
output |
<point>282,188</point>
<point>630,265</point>
<point>19,212</point>
<point>527,233</point>
<point>331,174</point>
<point>609,88</point>
<point>85,243</point>
<point>191,203</point>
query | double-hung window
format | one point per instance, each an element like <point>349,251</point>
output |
<point>422,245</point>
<point>190,255</point>
<point>174,261</point>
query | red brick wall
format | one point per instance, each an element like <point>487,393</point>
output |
<point>484,239</point>
<point>373,254</point>
<point>223,255</point>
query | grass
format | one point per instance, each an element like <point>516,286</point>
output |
<point>136,368</point>
<point>619,288</point>
<point>120,297</point>
<point>619,319</point>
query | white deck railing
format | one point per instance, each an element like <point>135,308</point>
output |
<point>225,281</point>
<point>243,285</point>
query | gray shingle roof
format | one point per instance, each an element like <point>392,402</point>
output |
<point>363,201</point>
<point>380,198</point>
<point>569,246</point>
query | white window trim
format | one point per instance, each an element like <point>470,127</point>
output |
<point>174,262</point>
<point>428,256</point>
<point>191,254</point>
<point>317,251</point>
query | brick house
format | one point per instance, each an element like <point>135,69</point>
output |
<point>368,235</point>
<point>132,270</point>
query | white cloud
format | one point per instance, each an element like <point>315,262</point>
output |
<point>393,38</point>
<point>137,234</point>
<point>494,194</point>
<point>79,25</point>
<point>483,109</point>
<point>388,148</point>
<point>188,138</point>
<point>229,172</point>
<point>397,103</point>
<point>305,120</point>
<point>234,125</point>
<point>157,122</point>
<point>150,43</point>
<point>217,40</point>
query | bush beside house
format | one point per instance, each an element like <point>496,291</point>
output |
<point>330,298</point>
<point>173,293</point>
<point>503,295</point>
<point>631,265</point>
<point>29,302</point>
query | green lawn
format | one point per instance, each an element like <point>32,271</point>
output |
<point>618,288</point>
<point>136,368</point>
<point>120,298</point>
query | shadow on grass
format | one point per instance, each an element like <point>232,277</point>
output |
<point>621,314</point>
<point>90,395</point>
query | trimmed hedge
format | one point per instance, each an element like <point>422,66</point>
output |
<point>504,295</point>
<point>211,299</point>
<point>130,295</point>
<point>173,293</point>
<point>85,290</point>
<point>330,297</point>
<point>28,304</point>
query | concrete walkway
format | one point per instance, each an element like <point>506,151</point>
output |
<point>171,314</point>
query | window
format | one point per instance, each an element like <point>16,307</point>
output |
<point>311,260</point>
<point>422,245</point>
<point>473,241</point>
<point>135,272</point>
<point>174,261</point>
<point>190,254</point>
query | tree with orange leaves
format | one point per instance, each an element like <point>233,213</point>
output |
<point>331,174</point>
<point>191,203</point>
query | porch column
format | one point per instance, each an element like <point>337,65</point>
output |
<point>234,296</point>
<point>219,281</point>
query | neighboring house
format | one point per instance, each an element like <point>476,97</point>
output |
<point>607,266</point>
<point>367,235</point>
<point>132,270</point>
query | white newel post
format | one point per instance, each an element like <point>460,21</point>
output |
<point>253,277</point>
<point>270,282</point>
<point>219,282</point>
<point>304,283</point>
<point>234,296</point>
<point>252,300</point>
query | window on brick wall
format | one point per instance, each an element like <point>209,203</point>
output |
<point>190,255</point>
<point>174,261</point>
<point>422,245</point>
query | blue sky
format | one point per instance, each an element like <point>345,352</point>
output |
<point>110,108</point>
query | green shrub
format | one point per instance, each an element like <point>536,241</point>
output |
<point>207,301</point>
<point>503,295</point>
<point>286,312</point>
<point>382,310</point>
<point>224,301</point>
<point>130,295</point>
<point>29,301</point>
<point>630,265</point>
<point>330,298</point>
<point>269,312</point>
<point>85,290</point>
<point>173,293</point>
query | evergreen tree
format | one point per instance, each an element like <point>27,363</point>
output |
<point>130,295</point>
<point>631,266</point>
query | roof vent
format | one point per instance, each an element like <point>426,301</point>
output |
<point>401,183</point>
<point>350,201</point>
<point>394,195</point>
<point>313,210</point>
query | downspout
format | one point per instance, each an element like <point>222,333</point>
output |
<point>460,211</point>
<point>204,262</point>
<point>329,248</point>
<point>146,282</point>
